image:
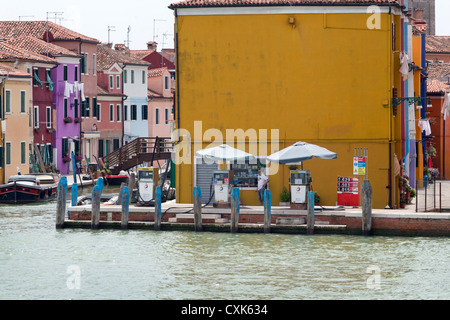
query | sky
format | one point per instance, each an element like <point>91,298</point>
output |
<point>146,20</point>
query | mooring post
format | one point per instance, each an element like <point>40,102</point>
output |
<point>267,210</point>
<point>61,202</point>
<point>125,202</point>
<point>310,214</point>
<point>235,207</point>
<point>131,183</point>
<point>122,186</point>
<point>74,192</point>
<point>95,215</point>
<point>198,209</point>
<point>366,208</point>
<point>158,209</point>
<point>100,184</point>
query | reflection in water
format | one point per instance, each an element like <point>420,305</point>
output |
<point>116,264</point>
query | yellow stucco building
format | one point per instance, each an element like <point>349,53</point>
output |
<point>16,101</point>
<point>323,74</point>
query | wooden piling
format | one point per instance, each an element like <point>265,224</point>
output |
<point>61,202</point>
<point>158,209</point>
<point>198,209</point>
<point>124,198</point>
<point>95,219</point>
<point>131,183</point>
<point>74,192</point>
<point>310,214</point>
<point>267,210</point>
<point>122,186</point>
<point>366,208</point>
<point>235,207</point>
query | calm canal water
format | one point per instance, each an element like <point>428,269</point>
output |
<point>39,262</point>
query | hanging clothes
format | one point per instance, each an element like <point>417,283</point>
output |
<point>396,165</point>
<point>68,89</point>
<point>404,65</point>
<point>446,106</point>
<point>424,125</point>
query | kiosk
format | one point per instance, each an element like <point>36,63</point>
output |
<point>147,182</point>
<point>300,182</point>
<point>221,181</point>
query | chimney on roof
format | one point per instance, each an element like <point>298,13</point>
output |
<point>151,45</point>
<point>122,48</point>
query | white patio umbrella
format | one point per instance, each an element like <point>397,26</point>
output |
<point>300,152</point>
<point>224,153</point>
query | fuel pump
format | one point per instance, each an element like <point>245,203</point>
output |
<point>221,181</point>
<point>147,182</point>
<point>300,181</point>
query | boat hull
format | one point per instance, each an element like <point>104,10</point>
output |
<point>116,180</point>
<point>16,193</point>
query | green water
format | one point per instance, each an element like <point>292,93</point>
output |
<point>39,262</point>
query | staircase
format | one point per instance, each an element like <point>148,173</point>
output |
<point>136,152</point>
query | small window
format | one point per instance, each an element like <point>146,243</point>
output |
<point>117,82</point>
<point>166,116</point>
<point>23,101</point>
<point>132,76</point>
<point>8,101</point>
<point>65,108</point>
<point>65,73</point>
<point>133,112</point>
<point>143,76</point>
<point>118,112</point>
<point>111,82</point>
<point>156,116</point>
<point>36,117</point>
<point>99,111</point>
<point>8,153</point>
<point>76,74</point>
<point>125,112</point>
<point>111,112</point>
<point>125,78</point>
<point>166,83</point>
<point>48,113</point>
<point>75,108</point>
<point>94,64</point>
<point>144,112</point>
<point>23,155</point>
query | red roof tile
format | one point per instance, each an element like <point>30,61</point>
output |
<point>36,45</point>
<point>12,72</point>
<point>38,29</point>
<point>10,52</point>
<point>235,3</point>
<point>106,57</point>
<point>436,86</point>
<point>438,71</point>
<point>437,44</point>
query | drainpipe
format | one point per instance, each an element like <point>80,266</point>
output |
<point>177,72</point>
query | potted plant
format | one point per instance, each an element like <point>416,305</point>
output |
<point>316,198</point>
<point>402,202</point>
<point>434,173</point>
<point>67,120</point>
<point>285,197</point>
<point>77,120</point>
<point>66,159</point>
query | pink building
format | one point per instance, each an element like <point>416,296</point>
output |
<point>160,102</point>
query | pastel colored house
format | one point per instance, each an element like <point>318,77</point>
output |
<point>110,97</point>
<point>135,105</point>
<point>56,129</point>
<point>160,102</point>
<point>86,75</point>
<point>15,97</point>
<point>292,71</point>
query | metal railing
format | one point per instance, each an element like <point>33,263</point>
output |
<point>432,195</point>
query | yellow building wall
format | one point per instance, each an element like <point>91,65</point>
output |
<point>18,127</point>
<point>417,58</point>
<point>328,81</point>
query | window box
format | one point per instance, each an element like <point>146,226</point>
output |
<point>67,120</point>
<point>66,159</point>
<point>77,120</point>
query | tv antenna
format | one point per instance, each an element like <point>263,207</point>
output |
<point>154,27</point>
<point>110,28</point>
<point>24,17</point>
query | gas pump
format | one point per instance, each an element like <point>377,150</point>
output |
<point>147,182</point>
<point>300,181</point>
<point>221,181</point>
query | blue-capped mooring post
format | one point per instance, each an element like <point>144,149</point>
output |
<point>61,202</point>
<point>235,208</point>
<point>267,210</point>
<point>125,201</point>
<point>197,193</point>
<point>158,208</point>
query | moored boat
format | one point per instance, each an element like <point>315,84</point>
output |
<point>29,188</point>
<point>117,179</point>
